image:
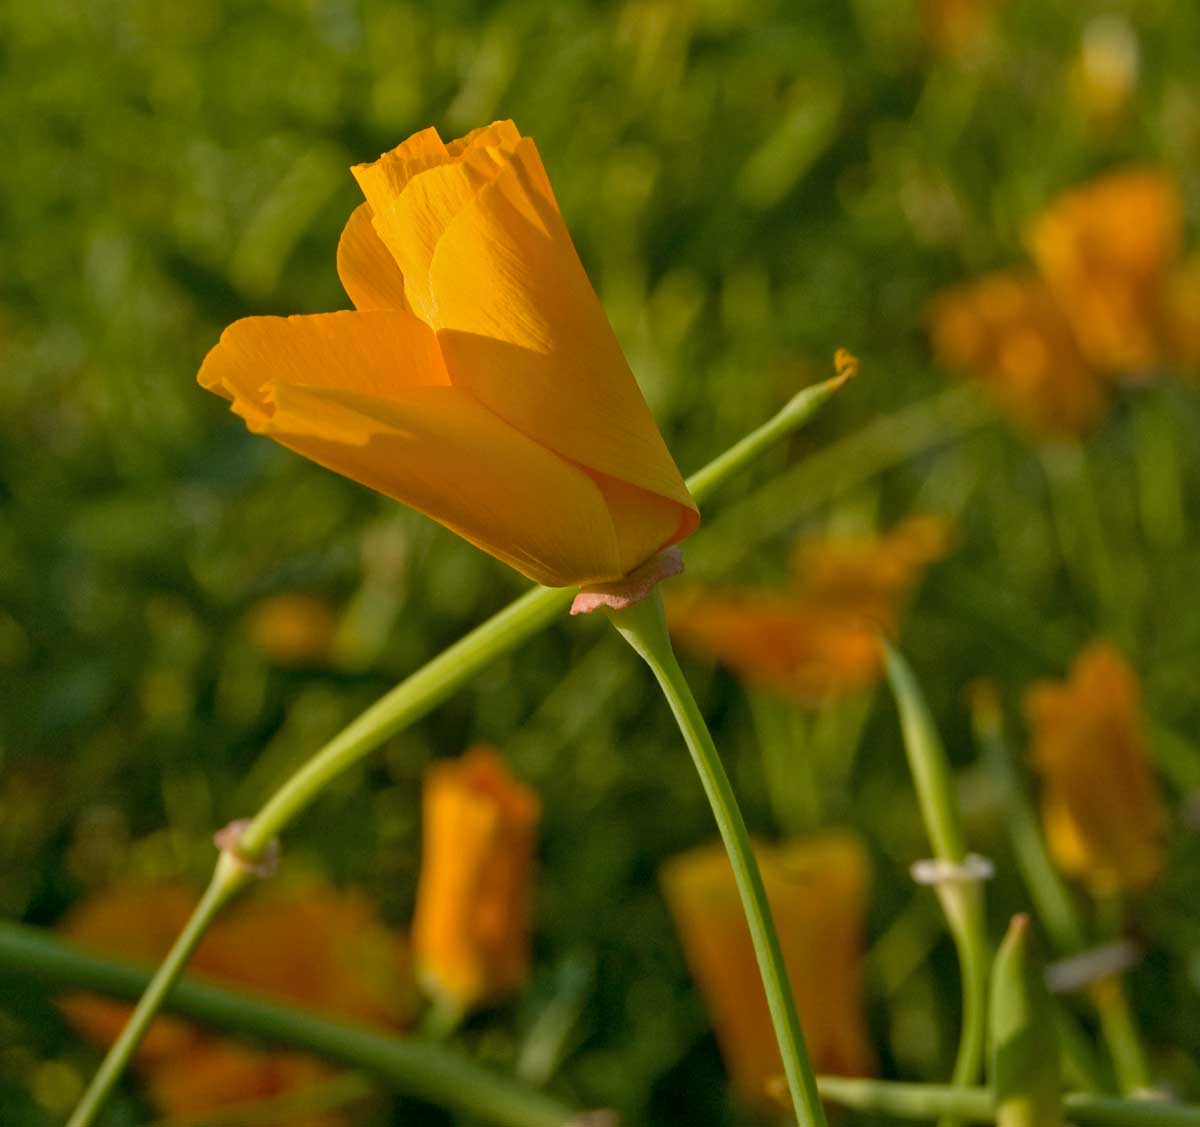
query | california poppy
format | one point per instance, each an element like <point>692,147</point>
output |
<point>324,949</point>
<point>818,889</point>
<point>473,920</point>
<point>478,379</point>
<point>1101,806</point>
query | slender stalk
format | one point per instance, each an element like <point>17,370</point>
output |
<point>975,1105</point>
<point>644,628</point>
<point>228,878</point>
<point>411,1065</point>
<point>406,703</point>
<point>962,900</point>
<point>1120,1032</point>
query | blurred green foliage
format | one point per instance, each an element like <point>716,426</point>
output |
<point>751,184</point>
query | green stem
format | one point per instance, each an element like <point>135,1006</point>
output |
<point>227,879</point>
<point>798,410</point>
<point>406,703</point>
<point>440,1075</point>
<point>1121,1034</point>
<point>975,1105</point>
<point>412,1066</point>
<point>644,628</point>
<point>962,900</point>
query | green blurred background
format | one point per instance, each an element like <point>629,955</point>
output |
<point>751,185</point>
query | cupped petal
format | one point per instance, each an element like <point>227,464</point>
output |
<point>437,450</point>
<point>376,353</point>
<point>369,273</point>
<point>523,331</point>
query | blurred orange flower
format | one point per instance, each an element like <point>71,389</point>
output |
<point>324,949</point>
<point>1008,332</point>
<point>292,629</point>
<point>1106,250</point>
<point>473,921</point>
<point>818,890</point>
<point>1101,806</point>
<point>478,380</point>
<point>821,637</point>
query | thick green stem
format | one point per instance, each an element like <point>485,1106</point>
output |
<point>962,900</point>
<point>406,703</point>
<point>644,628</point>
<point>413,1066</point>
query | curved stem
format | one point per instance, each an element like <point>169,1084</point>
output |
<point>962,900</point>
<point>226,881</point>
<point>407,702</point>
<point>643,627</point>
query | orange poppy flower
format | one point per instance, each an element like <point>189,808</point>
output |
<point>478,379</point>
<point>473,919</point>
<point>820,638</point>
<point>953,27</point>
<point>313,945</point>
<point>1007,331</point>
<point>818,891</point>
<point>1101,807</point>
<point>1105,250</point>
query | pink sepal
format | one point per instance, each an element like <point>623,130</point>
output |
<point>226,840</point>
<point>633,588</point>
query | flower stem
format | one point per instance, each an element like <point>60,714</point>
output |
<point>406,703</point>
<point>962,900</point>
<point>975,1105</point>
<point>411,1065</point>
<point>227,879</point>
<point>644,628</point>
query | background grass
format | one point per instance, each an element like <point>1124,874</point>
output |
<point>751,184</point>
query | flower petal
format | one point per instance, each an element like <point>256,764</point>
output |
<point>366,267</point>
<point>523,331</point>
<point>365,395</point>
<point>373,352</point>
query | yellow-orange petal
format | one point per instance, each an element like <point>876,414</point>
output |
<point>523,331</point>
<point>369,273</point>
<point>376,353</point>
<point>473,918</point>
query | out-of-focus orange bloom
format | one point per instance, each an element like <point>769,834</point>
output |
<point>478,379</point>
<point>1100,802</point>
<point>323,949</point>
<point>1007,331</point>
<point>820,638</point>
<point>473,920</point>
<point>818,890</point>
<point>292,629</point>
<point>1105,250</point>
